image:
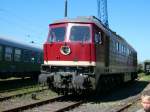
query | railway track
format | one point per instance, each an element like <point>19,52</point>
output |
<point>21,94</point>
<point>125,106</point>
<point>15,89</point>
<point>57,104</point>
<point>16,84</point>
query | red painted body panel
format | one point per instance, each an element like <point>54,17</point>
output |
<point>79,52</point>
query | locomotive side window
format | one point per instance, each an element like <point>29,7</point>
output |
<point>80,33</point>
<point>8,53</point>
<point>98,38</point>
<point>1,52</point>
<point>57,34</point>
<point>114,45</point>
<point>17,55</point>
<point>120,48</point>
<point>127,52</point>
<point>117,46</point>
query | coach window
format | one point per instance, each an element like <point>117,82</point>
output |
<point>17,55</point>
<point>98,38</point>
<point>33,56</point>
<point>38,58</point>
<point>1,52</point>
<point>26,56</point>
<point>32,59</point>
<point>8,53</point>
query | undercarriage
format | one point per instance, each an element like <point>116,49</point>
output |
<point>68,79</point>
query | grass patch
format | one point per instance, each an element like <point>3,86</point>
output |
<point>10,85</point>
<point>24,90</point>
<point>144,77</point>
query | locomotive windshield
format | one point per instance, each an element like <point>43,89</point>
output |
<point>80,33</point>
<point>57,34</point>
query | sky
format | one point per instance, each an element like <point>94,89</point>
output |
<point>27,20</point>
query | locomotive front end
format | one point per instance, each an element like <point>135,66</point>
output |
<point>69,58</point>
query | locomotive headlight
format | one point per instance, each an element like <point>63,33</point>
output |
<point>65,50</point>
<point>81,74</point>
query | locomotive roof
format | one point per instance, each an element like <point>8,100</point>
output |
<point>94,20</point>
<point>13,43</point>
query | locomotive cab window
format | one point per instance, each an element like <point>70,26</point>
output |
<point>8,53</point>
<point>57,34</point>
<point>80,33</point>
<point>98,38</point>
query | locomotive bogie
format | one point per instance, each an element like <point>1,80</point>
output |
<point>69,78</point>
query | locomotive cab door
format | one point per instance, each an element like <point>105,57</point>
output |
<point>100,50</point>
<point>102,60</point>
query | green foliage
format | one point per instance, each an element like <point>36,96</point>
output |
<point>144,77</point>
<point>140,68</point>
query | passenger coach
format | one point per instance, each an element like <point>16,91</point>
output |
<point>19,60</point>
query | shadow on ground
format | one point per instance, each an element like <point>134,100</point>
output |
<point>119,93</point>
<point>122,92</point>
<point>9,85</point>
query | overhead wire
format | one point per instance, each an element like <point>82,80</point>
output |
<point>19,18</point>
<point>25,24</point>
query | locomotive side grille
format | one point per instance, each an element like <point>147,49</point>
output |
<point>62,69</point>
<point>85,69</point>
<point>79,69</point>
<point>45,68</point>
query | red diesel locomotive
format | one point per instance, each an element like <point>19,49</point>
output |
<point>82,54</point>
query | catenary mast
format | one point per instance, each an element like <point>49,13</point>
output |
<point>66,8</point>
<point>102,11</point>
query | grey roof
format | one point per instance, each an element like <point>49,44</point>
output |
<point>86,19</point>
<point>82,19</point>
<point>16,44</point>
<point>96,21</point>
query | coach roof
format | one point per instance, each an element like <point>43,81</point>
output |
<point>12,43</point>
